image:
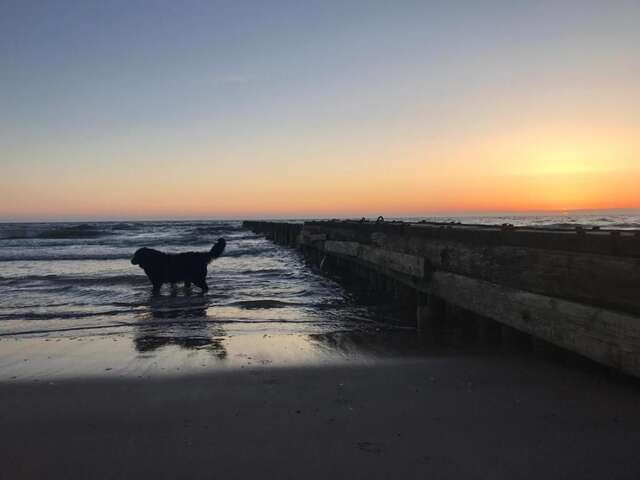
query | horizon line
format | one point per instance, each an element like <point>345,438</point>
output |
<point>393,215</point>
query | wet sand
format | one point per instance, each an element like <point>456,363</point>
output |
<point>451,417</point>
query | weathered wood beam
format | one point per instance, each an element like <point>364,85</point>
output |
<point>606,336</point>
<point>399,262</point>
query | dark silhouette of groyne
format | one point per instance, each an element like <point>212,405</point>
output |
<point>578,290</point>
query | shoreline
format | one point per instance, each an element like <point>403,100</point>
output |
<point>448,417</point>
<point>128,355</point>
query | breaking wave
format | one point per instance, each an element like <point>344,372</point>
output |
<point>79,280</point>
<point>63,257</point>
<point>83,230</point>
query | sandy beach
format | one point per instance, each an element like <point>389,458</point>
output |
<point>475,416</point>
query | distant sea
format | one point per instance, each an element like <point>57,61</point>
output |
<point>621,221</point>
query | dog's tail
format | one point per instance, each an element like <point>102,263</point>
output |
<point>217,249</point>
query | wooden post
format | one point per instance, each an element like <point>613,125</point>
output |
<point>430,312</point>
<point>513,339</point>
<point>487,331</point>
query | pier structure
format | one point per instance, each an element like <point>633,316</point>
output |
<point>554,289</point>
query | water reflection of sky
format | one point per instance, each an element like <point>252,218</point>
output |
<point>189,333</point>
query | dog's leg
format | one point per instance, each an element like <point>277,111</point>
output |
<point>156,287</point>
<point>202,284</point>
<point>187,285</point>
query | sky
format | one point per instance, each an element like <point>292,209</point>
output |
<point>234,109</point>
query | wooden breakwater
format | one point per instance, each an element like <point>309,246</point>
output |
<point>282,233</point>
<point>578,289</point>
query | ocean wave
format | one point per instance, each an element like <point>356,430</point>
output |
<point>265,271</point>
<point>251,236</point>
<point>12,231</point>
<point>66,315</point>
<point>126,226</point>
<point>597,225</point>
<point>83,230</point>
<point>257,251</point>
<point>626,226</point>
<point>80,280</point>
<point>564,226</point>
<point>43,254</point>
<point>214,229</point>
<point>117,251</point>
<point>53,256</point>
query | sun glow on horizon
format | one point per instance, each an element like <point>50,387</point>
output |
<point>508,172</point>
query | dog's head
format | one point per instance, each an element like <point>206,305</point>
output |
<point>142,257</point>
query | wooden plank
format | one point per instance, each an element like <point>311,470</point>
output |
<point>314,237</point>
<point>385,259</point>
<point>399,262</point>
<point>350,249</point>
<point>603,335</point>
<point>612,282</point>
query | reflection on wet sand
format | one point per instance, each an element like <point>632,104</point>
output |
<point>387,340</point>
<point>179,321</point>
<point>381,342</point>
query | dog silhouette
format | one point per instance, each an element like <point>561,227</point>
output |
<point>188,267</point>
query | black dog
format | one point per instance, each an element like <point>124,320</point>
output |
<point>186,267</point>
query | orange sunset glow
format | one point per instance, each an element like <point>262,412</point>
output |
<point>532,171</point>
